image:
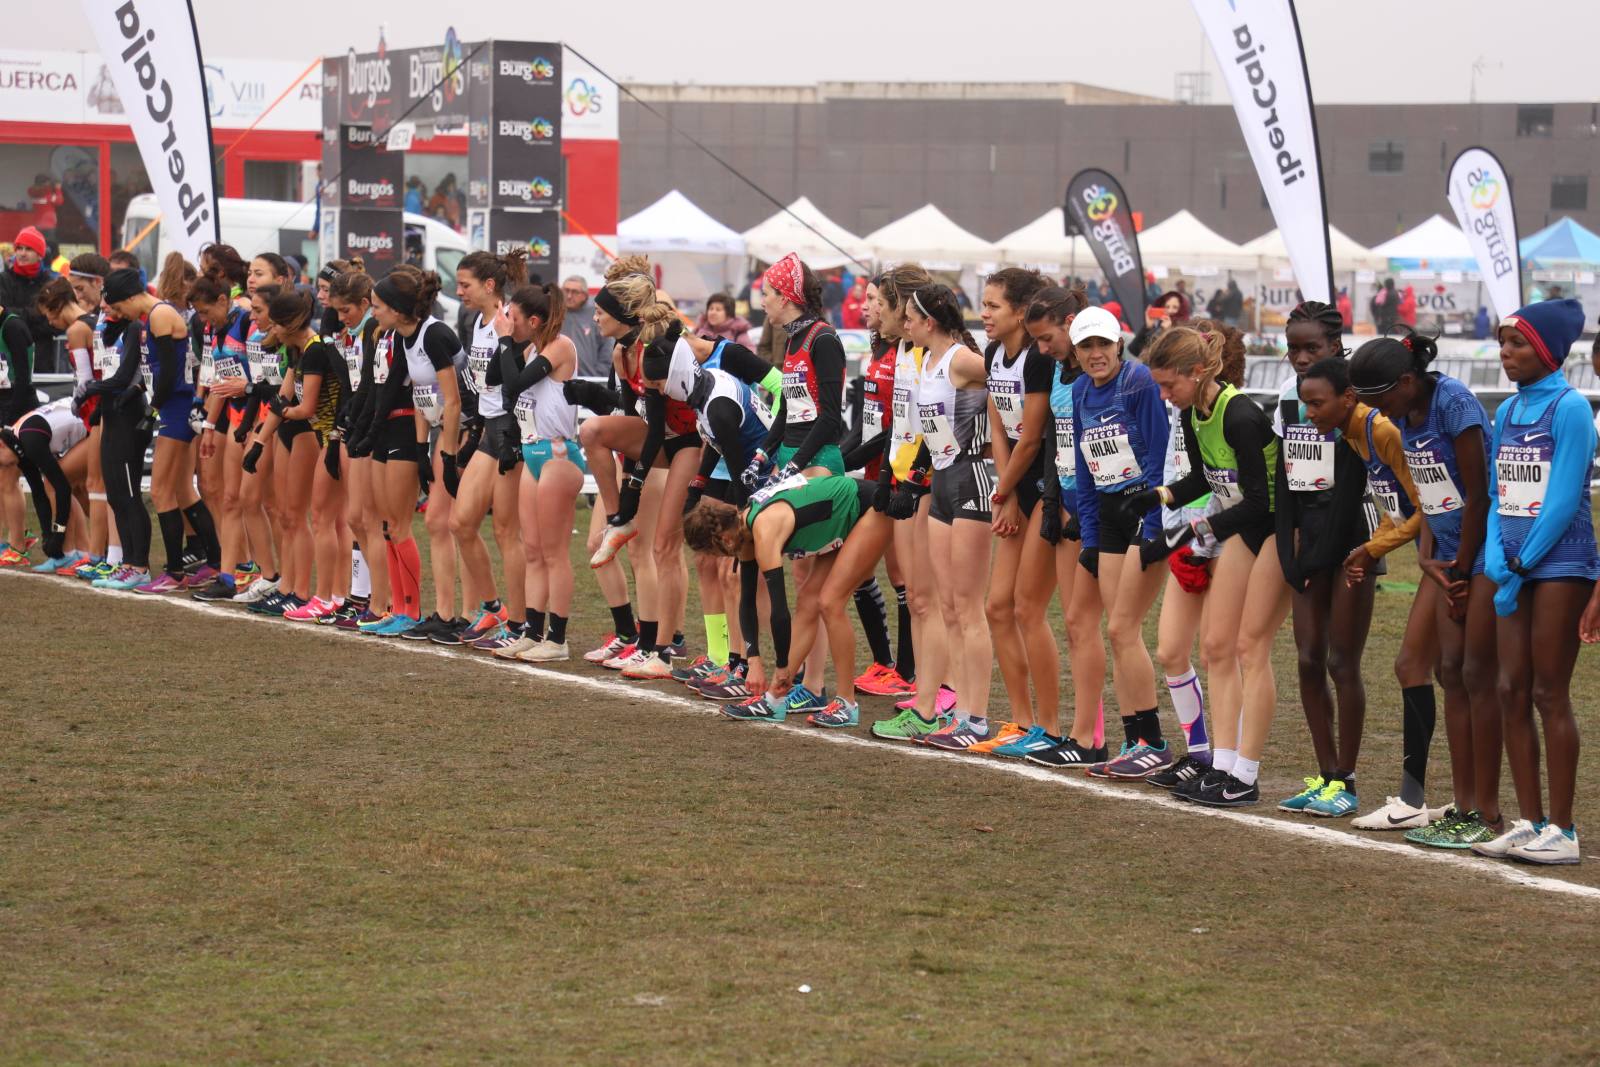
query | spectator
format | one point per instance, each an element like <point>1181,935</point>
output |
<point>719,321</point>
<point>445,204</point>
<point>1480,325</point>
<point>1408,307</point>
<point>833,297</point>
<point>20,283</point>
<point>594,351</point>
<point>414,193</point>
<point>1232,304</point>
<point>1093,289</point>
<point>1385,307</point>
<point>45,196</point>
<point>851,313</point>
<point>1171,310</point>
<point>1346,309</point>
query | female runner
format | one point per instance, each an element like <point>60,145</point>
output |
<point>350,298</point>
<point>47,445</point>
<point>58,301</point>
<point>1445,432</point>
<point>87,273</point>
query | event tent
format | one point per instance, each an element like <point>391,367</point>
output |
<point>1563,243</point>
<point>1437,244</point>
<point>928,236</point>
<point>1044,241</point>
<point>1184,242</point>
<point>1348,254</point>
<point>771,240</point>
<point>697,254</point>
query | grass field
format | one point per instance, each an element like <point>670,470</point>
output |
<point>232,839</point>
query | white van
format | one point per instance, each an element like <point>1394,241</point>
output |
<point>284,227</point>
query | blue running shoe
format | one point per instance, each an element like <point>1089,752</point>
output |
<point>801,699</point>
<point>837,715</point>
<point>1335,801</point>
<point>126,579</point>
<point>756,709</point>
<point>51,566</point>
<point>1302,800</point>
<point>1035,740</point>
<point>397,625</point>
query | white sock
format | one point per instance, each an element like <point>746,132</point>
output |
<point>1246,770</point>
<point>1223,759</point>
<point>114,555</point>
<point>360,576</point>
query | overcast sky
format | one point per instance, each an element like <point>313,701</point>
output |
<point>1366,51</point>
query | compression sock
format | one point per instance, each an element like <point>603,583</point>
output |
<point>1100,725</point>
<point>360,574</point>
<point>1148,723</point>
<point>205,530</point>
<point>1417,734</point>
<point>535,625</point>
<point>1189,701</point>
<point>172,537</point>
<point>647,635</point>
<point>905,660</point>
<point>874,619</point>
<point>1130,729</point>
<point>557,634</point>
<point>717,638</point>
<point>1246,770</point>
<point>392,558</point>
<point>409,563</point>
<point>622,623</point>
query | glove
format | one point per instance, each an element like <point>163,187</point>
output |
<point>79,394</point>
<point>592,395</point>
<point>359,447</point>
<point>1140,502</point>
<point>1050,520</point>
<point>758,465</point>
<point>197,417</point>
<point>277,403</point>
<point>881,496</point>
<point>1190,570</point>
<point>697,489</point>
<point>1071,530</point>
<point>1159,548</point>
<point>8,437</point>
<point>1089,560</point>
<point>510,448</point>
<point>452,477</point>
<point>424,472</point>
<point>469,444</point>
<point>789,471</point>
<point>628,500</point>
<point>330,459</point>
<point>252,457</point>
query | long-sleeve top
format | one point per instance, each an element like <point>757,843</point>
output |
<point>1133,399</point>
<point>19,399</point>
<point>1246,431</point>
<point>1390,452</point>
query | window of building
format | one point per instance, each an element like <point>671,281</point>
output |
<point>1386,157</point>
<point>1535,120</point>
<point>1569,193</point>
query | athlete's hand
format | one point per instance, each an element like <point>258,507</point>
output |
<point>277,403</point>
<point>1141,502</point>
<point>755,675</point>
<point>452,477</point>
<point>510,448</point>
<point>881,495</point>
<point>208,443</point>
<point>1050,520</point>
<point>592,395</point>
<point>1165,544</point>
<point>697,489</point>
<point>330,459</point>
<point>424,469</point>
<point>501,323</point>
<point>628,500</point>
<point>1008,519</point>
<point>790,470</point>
<point>903,504</point>
<point>469,443</point>
<point>1357,565</point>
<point>1589,624</point>
<point>252,457</point>
<point>1089,560</point>
<point>1071,530</point>
<point>751,475</point>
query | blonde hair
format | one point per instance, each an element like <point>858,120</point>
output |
<point>1187,349</point>
<point>637,294</point>
<point>626,265</point>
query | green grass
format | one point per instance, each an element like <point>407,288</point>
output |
<point>233,840</point>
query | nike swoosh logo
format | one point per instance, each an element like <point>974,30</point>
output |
<point>1422,442</point>
<point>1106,416</point>
<point>1396,822</point>
<point>1527,437</point>
<point>1226,795</point>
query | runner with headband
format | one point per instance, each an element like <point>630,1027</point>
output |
<point>58,302</point>
<point>48,446</point>
<point>87,273</point>
<point>257,500</point>
<point>350,300</point>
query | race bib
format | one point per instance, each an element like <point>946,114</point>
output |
<point>1386,491</point>
<point>148,377</point>
<point>1109,455</point>
<point>299,391</point>
<point>902,429</point>
<point>936,430</point>
<point>1436,489</point>
<point>1180,452</point>
<point>263,364</point>
<point>5,374</point>
<point>762,405</point>
<point>225,367</point>
<point>380,359</point>
<point>1007,397</point>
<point>208,369</point>
<point>478,365</point>
<point>1307,458</point>
<point>104,360</point>
<point>427,401</point>
<point>871,413</point>
<point>797,399</point>
<point>1522,473</point>
<point>1224,486</point>
<point>794,481</point>
<point>524,412</point>
<point>1066,465</point>
<point>350,349</point>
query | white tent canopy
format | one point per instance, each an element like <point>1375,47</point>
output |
<point>1436,239</point>
<point>676,224</point>
<point>1044,240</point>
<point>1185,242</point>
<point>928,236</point>
<point>1348,253</point>
<point>781,234</point>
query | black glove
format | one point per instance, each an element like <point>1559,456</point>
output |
<point>452,477</point>
<point>510,449</point>
<point>697,489</point>
<point>1071,530</point>
<point>277,403</point>
<point>789,471</point>
<point>252,457</point>
<point>903,503</point>
<point>628,500</point>
<point>330,459</point>
<point>881,495</point>
<point>424,470</point>
<point>1140,502</point>
<point>752,473</point>
<point>592,395</point>
<point>359,447</point>
<point>469,444</point>
<point>1165,544</point>
<point>197,417</point>
<point>1089,560</point>
<point>55,542</point>
<point>1050,521</point>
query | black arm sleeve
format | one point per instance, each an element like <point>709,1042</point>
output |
<point>1192,486</point>
<point>744,364</point>
<point>827,359</point>
<point>774,436</point>
<point>168,353</point>
<point>1047,460</point>
<point>725,417</point>
<point>19,342</point>
<point>128,370</point>
<point>780,616</point>
<point>655,428</point>
<point>749,616</point>
<point>1248,433</point>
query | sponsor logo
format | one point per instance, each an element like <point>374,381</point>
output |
<point>369,242</point>
<point>527,191</point>
<point>438,73</point>
<point>50,81</point>
<point>380,190</point>
<point>1532,436</point>
<point>477,189</point>
<point>538,247</point>
<point>361,136</point>
<point>531,71</point>
<point>368,77</point>
<point>1102,207</point>
<point>528,131</point>
<point>478,130</point>
<point>1264,94</point>
<point>1485,189</point>
<point>1483,194</point>
<point>583,99</point>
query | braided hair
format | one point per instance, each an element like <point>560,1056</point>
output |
<point>1325,316</point>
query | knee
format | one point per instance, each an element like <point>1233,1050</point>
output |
<point>1344,668</point>
<point>460,526</point>
<point>1550,697</point>
<point>506,529</point>
<point>588,435</point>
<point>1313,663</point>
<point>1478,676</point>
<point>1219,649</point>
<point>1121,631</point>
<point>1000,610</point>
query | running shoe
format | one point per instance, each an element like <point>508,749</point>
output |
<point>801,699</point>
<point>734,688</point>
<point>1552,846</point>
<point>252,591</point>
<point>1335,801</point>
<point>350,609</point>
<point>164,583</point>
<point>839,714</point>
<point>74,570</point>
<point>943,703</point>
<point>356,623</point>
<point>756,709</point>
<point>399,626</point>
<point>62,564</point>
<point>434,624</point>
<point>522,644</point>
<point>611,646</point>
<point>1302,800</point>
<point>373,623</point>
<point>1467,831</point>
<point>1068,754</point>
<point>310,611</point>
<point>628,657</point>
<point>653,667</point>
<point>1517,834</point>
<point>1098,769</point>
<point>1185,770</point>
<point>217,590</point>
<point>1222,790</point>
<point>246,573</point>
<point>1019,744</point>
<point>190,562</point>
<point>1443,824</point>
<point>94,569</point>
<point>496,638</point>
<point>891,684</point>
<point>485,620</point>
<point>546,651</point>
<point>28,541</point>
<point>959,736</point>
<point>451,632</point>
<point>10,557</point>
<point>201,577</point>
<point>1396,814</point>
<point>907,726</point>
<point>1143,760</point>
<point>676,650</point>
<point>280,605</point>
<point>125,580</point>
<point>695,669</point>
<point>611,543</point>
<point>1003,734</point>
<point>265,605</point>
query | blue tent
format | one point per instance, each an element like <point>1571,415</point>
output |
<point>1563,242</point>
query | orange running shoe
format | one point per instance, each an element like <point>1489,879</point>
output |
<point>1008,732</point>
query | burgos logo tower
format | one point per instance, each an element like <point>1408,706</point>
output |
<point>528,131</point>
<point>527,191</point>
<point>537,69</point>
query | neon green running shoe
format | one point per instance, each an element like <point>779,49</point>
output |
<point>1468,830</point>
<point>1440,827</point>
<point>1302,800</point>
<point>907,726</point>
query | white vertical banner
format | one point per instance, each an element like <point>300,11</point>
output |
<point>152,50</point>
<point>1480,192</point>
<point>1257,45</point>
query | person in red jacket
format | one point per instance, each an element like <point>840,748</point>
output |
<point>854,305</point>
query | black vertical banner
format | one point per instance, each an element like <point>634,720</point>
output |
<point>537,231</point>
<point>1099,207</point>
<point>377,236</point>
<point>525,125</point>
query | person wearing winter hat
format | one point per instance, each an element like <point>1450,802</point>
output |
<point>1540,551</point>
<point>21,283</point>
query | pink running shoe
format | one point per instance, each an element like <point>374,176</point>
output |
<point>165,583</point>
<point>310,611</point>
<point>201,578</point>
<point>943,705</point>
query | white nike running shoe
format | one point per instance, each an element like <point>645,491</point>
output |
<point>1396,814</point>
<point>1520,832</point>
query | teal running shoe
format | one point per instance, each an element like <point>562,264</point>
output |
<point>397,625</point>
<point>801,699</point>
<point>1443,826</point>
<point>1035,740</point>
<point>94,570</point>
<point>756,709</point>
<point>1334,801</point>
<point>60,563</point>
<point>1303,799</point>
<point>126,579</point>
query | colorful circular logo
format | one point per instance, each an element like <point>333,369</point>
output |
<point>583,98</point>
<point>539,248</point>
<point>543,69</point>
<point>1485,193</point>
<point>452,73</point>
<point>1103,206</point>
<point>542,188</point>
<point>543,129</point>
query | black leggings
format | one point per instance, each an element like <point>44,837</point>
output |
<point>39,467</point>
<point>123,441</point>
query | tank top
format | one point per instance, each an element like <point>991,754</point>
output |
<point>1061,419</point>
<point>1431,456</point>
<point>877,400</point>
<point>1522,466</point>
<point>542,412</point>
<point>484,342</point>
<point>1221,461</point>
<point>955,422</point>
<point>149,362</point>
<point>66,429</point>
<point>905,428</point>
<point>1382,480</point>
<point>1108,436</point>
<point>1006,387</point>
<point>264,366</point>
<point>801,394</point>
<point>425,393</point>
<point>349,344</point>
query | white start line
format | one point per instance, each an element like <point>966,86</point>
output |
<point>1316,835</point>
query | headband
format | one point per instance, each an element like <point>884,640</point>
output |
<point>387,291</point>
<point>917,300</point>
<point>327,274</point>
<point>787,277</point>
<point>607,301</point>
<point>86,274</point>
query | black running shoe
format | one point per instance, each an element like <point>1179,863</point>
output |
<point>216,591</point>
<point>1222,790</point>
<point>352,609</point>
<point>451,632</point>
<point>433,624</point>
<point>1068,754</point>
<point>190,562</point>
<point>1184,770</point>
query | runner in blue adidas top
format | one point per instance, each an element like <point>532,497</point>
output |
<point>1540,551</point>
<point>1446,436</point>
